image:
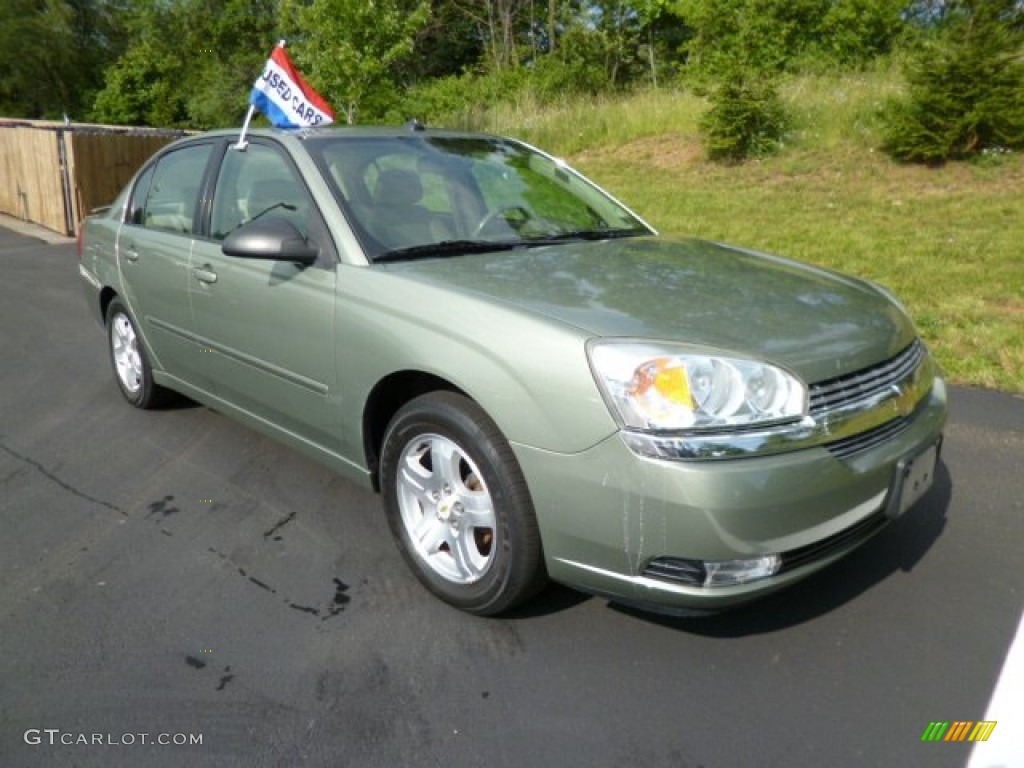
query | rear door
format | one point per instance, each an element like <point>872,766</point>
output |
<point>268,325</point>
<point>154,248</point>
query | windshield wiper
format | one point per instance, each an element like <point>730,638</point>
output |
<point>586,234</point>
<point>447,248</point>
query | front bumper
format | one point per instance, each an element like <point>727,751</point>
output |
<point>609,517</point>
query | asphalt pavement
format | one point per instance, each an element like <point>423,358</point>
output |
<point>172,576</point>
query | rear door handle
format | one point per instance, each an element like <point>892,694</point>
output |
<point>204,274</point>
<point>129,251</point>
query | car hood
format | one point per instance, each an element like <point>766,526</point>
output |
<point>816,322</point>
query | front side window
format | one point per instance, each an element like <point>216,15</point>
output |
<point>257,183</point>
<point>167,195</point>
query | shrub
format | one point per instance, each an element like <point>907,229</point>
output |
<point>965,88</point>
<point>747,118</point>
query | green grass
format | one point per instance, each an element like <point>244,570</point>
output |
<point>580,124</point>
<point>948,241</point>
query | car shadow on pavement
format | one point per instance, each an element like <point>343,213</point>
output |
<point>175,401</point>
<point>554,598</point>
<point>899,547</point>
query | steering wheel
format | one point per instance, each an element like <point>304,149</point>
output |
<point>503,213</point>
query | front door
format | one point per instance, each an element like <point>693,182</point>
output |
<point>268,326</point>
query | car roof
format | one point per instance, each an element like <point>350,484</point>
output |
<point>335,131</point>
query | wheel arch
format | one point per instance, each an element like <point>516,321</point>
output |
<point>107,295</point>
<point>385,399</point>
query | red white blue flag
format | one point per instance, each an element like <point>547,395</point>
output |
<point>285,97</point>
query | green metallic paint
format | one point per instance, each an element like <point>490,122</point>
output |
<point>154,275</point>
<point>813,322</point>
<point>624,511</point>
<point>528,372</point>
<point>296,353</point>
<point>266,331</point>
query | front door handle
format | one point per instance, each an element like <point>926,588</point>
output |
<point>204,274</point>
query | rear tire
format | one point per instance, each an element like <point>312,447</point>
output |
<point>458,505</point>
<point>132,370</point>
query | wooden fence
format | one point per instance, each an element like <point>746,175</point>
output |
<point>54,174</point>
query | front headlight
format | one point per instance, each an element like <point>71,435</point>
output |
<point>655,387</point>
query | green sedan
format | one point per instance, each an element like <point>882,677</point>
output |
<point>537,384</point>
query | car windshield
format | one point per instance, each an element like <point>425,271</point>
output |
<point>435,195</point>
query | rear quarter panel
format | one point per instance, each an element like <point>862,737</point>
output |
<point>98,267</point>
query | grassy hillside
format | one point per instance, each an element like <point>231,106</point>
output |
<point>949,241</point>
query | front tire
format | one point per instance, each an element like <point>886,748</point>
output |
<point>458,505</point>
<point>128,356</point>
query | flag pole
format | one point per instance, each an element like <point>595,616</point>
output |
<point>242,143</point>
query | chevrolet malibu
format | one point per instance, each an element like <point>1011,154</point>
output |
<point>537,384</point>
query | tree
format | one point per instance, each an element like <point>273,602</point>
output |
<point>140,89</point>
<point>233,39</point>
<point>447,44</point>
<point>54,53</point>
<point>966,87</point>
<point>781,34</point>
<point>201,76</point>
<point>350,50</point>
<point>650,15</point>
<point>853,32</point>
<point>499,24</point>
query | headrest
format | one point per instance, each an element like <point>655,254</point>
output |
<point>397,186</point>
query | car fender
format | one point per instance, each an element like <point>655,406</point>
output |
<point>528,372</point>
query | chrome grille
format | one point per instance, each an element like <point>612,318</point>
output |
<point>844,449</point>
<point>852,388</point>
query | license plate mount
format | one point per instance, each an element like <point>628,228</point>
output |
<point>914,476</point>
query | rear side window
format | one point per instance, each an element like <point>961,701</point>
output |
<point>137,209</point>
<point>166,195</point>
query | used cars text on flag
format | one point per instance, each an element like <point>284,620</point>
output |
<point>284,96</point>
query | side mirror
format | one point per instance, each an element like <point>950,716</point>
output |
<point>271,238</point>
